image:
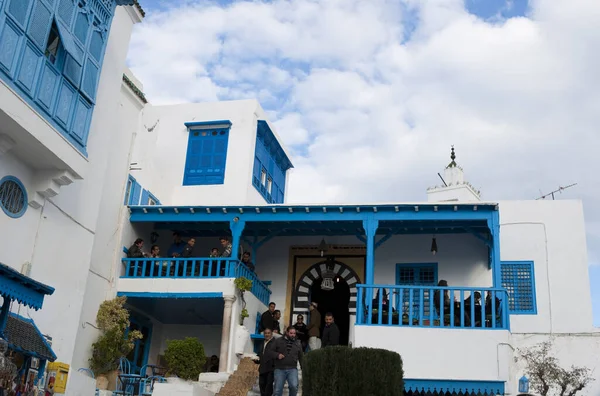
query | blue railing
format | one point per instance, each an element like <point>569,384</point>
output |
<point>194,268</point>
<point>201,267</point>
<point>259,288</point>
<point>432,306</point>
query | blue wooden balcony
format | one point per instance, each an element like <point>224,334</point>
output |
<point>194,268</point>
<point>432,306</point>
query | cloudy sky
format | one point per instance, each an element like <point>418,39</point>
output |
<point>368,96</point>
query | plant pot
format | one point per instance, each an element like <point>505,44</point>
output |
<point>102,382</point>
<point>112,379</point>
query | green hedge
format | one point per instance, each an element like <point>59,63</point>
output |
<point>352,372</point>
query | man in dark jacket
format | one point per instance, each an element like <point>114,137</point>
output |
<point>289,354</point>
<point>266,320</point>
<point>314,327</point>
<point>266,359</point>
<point>331,333</point>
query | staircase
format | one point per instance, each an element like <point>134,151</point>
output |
<point>242,380</point>
<point>255,391</point>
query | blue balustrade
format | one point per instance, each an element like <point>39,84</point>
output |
<point>433,306</point>
<point>194,268</point>
<point>259,288</point>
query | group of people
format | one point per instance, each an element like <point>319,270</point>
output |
<point>281,353</point>
<point>473,300</point>
<point>185,249</point>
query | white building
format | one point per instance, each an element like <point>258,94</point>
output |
<point>93,171</point>
<point>62,173</point>
<point>534,250</point>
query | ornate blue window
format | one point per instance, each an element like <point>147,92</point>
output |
<point>518,279</point>
<point>421,274</point>
<point>132,192</point>
<point>13,196</point>
<point>206,153</point>
<point>270,165</point>
<point>51,54</point>
<point>148,198</point>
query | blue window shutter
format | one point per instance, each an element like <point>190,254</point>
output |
<point>65,11</point>
<point>145,196</point>
<point>68,44</point>
<point>17,9</point>
<point>135,195</point>
<point>97,45</point>
<point>206,157</point>
<point>128,190</point>
<point>82,27</point>
<point>90,78</point>
<point>39,25</point>
<point>518,279</point>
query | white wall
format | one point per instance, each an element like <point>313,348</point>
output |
<point>552,234</point>
<point>429,353</point>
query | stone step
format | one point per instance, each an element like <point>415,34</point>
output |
<point>255,391</point>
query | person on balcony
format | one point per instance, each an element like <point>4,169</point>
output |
<point>385,302</point>
<point>331,332</point>
<point>488,309</point>
<point>135,251</point>
<point>266,360</point>
<point>228,247</point>
<point>214,252</point>
<point>266,319</point>
<point>301,331</point>
<point>177,247</point>
<point>477,308</point>
<point>289,355</point>
<point>447,301</point>
<point>187,252</point>
<point>247,262</point>
<point>314,327</point>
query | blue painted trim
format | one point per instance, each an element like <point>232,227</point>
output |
<point>218,123</point>
<point>474,387</point>
<point>16,286</point>
<point>142,322</point>
<point>265,133</point>
<point>531,265</point>
<point>25,199</point>
<point>67,42</point>
<point>150,195</point>
<point>285,213</point>
<point>257,336</point>
<point>145,196</point>
<point>169,295</point>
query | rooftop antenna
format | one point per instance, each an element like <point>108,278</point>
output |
<point>559,190</point>
<point>452,164</point>
<point>443,181</point>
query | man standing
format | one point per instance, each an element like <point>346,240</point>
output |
<point>177,247</point>
<point>331,333</point>
<point>314,327</point>
<point>276,325</point>
<point>289,354</point>
<point>266,360</point>
<point>266,319</point>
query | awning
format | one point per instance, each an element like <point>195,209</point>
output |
<point>16,286</point>
<point>23,336</point>
<point>67,42</point>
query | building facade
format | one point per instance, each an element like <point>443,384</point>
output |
<point>61,179</point>
<point>385,261</point>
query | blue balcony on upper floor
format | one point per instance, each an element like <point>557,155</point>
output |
<point>187,275</point>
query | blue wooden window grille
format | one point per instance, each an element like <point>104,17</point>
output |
<point>206,156</point>
<point>51,54</point>
<point>518,279</point>
<point>421,274</point>
<point>148,198</point>
<point>13,197</point>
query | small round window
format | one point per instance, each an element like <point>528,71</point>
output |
<point>13,196</point>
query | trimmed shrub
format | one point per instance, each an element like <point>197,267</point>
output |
<point>185,358</point>
<point>352,372</point>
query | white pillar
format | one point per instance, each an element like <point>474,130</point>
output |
<point>225,334</point>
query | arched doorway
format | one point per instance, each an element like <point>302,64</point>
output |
<point>340,301</point>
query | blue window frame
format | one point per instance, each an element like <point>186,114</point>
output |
<point>416,274</point>
<point>148,198</point>
<point>13,197</point>
<point>206,153</point>
<point>270,165</point>
<point>132,191</point>
<point>138,357</point>
<point>518,278</point>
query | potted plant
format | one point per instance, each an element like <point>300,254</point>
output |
<point>185,358</point>
<point>115,342</point>
<point>243,285</point>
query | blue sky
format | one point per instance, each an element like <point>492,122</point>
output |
<point>511,83</point>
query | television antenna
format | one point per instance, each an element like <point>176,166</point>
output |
<point>559,190</point>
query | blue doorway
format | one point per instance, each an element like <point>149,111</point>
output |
<point>138,357</point>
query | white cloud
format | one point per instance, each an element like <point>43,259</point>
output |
<point>371,117</point>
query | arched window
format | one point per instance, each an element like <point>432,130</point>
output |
<point>13,196</point>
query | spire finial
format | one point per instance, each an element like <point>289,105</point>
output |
<point>452,164</point>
